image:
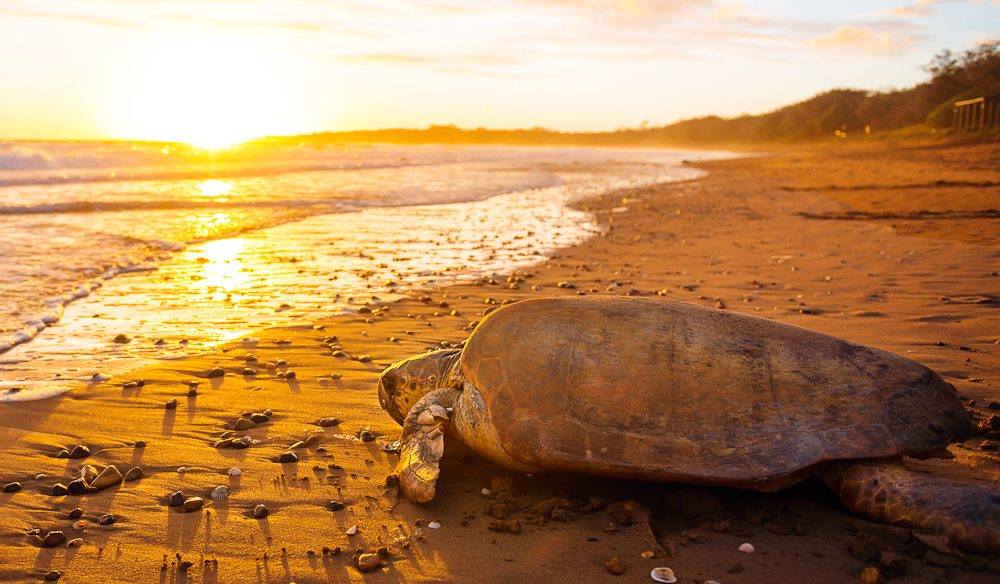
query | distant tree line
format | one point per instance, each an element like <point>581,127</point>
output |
<point>953,76</point>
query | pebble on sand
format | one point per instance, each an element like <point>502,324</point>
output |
<point>193,504</point>
<point>52,575</point>
<point>260,511</point>
<point>434,525</point>
<point>110,476</point>
<point>12,487</point>
<point>53,538</point>
<point>352,530</point>
<point>367,562</point>
<point>216,372</point>
<point>615,566</point>
<point>79,451</point>
<point>663,574</point>
<point>220,492</point>
<point>234,472</point>
<point>76,513</point>
<point>59,489</point>
<point>122,338</point>
<point>288,457</point>
<point>176,499</point>
<point>75,542</point>
<point>133,474</point>
<point>107,519</point>
<point>747,548</point>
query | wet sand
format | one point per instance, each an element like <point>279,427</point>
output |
<point>849,242</point>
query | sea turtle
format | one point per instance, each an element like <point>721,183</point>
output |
<point>667,391</point>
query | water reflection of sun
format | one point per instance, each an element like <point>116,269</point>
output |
<point>205,225</point>
<point>222,269</point>
<point>214,187</point>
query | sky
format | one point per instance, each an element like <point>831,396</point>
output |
<point>218,71</point>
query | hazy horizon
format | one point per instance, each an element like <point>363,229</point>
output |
<point>217,73</point>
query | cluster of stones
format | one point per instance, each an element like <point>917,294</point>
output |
<point>246,421</point>
<point>180,501</point>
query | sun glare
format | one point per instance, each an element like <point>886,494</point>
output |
<point>214,187</point>
<point>212,93</point>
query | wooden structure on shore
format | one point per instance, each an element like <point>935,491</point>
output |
<point>980,113</point>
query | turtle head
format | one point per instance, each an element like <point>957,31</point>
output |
<point>405,382</point>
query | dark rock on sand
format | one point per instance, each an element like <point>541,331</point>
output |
<point>79,451</point>
<point>59,489</point>
<point>327,422</point>
<point>335,505</point>
<point>217,372</point>
<point>76,513</point>
<point>133,474</point>
<point>288,457</point>
<point>260,512</point>
<point>176,499</point>
<point>52,575</point>
<point>170,404</point>
<point>53,538</point>
<point>106,519</point>
<point>78,487</point>
<point>12,487</point>
<point>259,418</point>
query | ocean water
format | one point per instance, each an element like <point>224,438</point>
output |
<point>182,250</point>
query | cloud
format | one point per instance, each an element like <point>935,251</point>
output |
<point>918,8</point>
<point>862,39</point>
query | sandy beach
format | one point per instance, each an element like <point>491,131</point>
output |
<point>897,247</point>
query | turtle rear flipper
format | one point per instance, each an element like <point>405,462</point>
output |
<point>422,445</point>
<point>887,491</point>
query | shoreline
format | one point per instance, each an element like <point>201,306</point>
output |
<point>732,239</point>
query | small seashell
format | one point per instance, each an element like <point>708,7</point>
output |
<point>352,530</point>
<point>747,548</point>
<point>234,472</point>
<point>434,525</point>
<point>663,574</point>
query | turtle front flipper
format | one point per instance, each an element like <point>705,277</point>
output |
<point>422,445</point>
<point>887,491</point>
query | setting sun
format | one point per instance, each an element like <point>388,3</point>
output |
<point>209,92</point>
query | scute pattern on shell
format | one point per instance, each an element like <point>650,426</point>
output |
<point>662,390</point>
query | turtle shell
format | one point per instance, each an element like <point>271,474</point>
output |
<point>670,391</point>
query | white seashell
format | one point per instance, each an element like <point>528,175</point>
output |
<point>663,574</point>
<point>234,472</point>
<point>352,530</point>
<point>747,548</point>
<point>434,525</point>
<point>220,492</point>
